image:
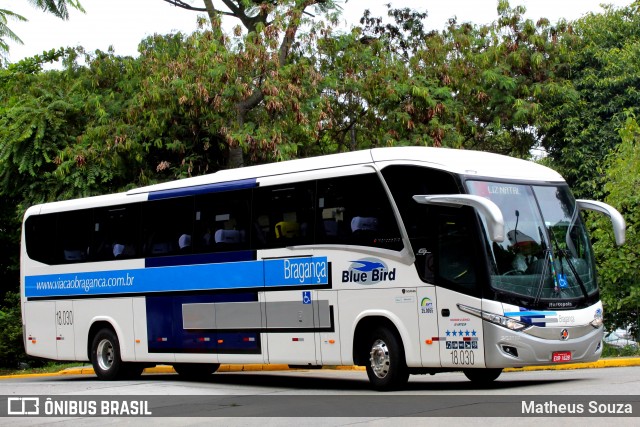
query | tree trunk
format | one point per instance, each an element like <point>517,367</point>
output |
<point>236,159</point>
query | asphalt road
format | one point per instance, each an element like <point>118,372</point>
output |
<point>342,397</point>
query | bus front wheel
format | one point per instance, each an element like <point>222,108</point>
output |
<point>387,369</point>
<point>105,358</point>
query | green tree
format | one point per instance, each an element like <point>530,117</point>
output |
<point>480,87</point>
<point>11,345</point>
<point>272,28</point>
<point>601,54</point>
<point>59,8</point>
<point>620,267</point>
<point>47,121</point>
<point>5,31</point>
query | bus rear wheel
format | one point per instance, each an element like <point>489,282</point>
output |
<point>106,361</point>
<point>387,369</point>
<point>194,371</point>
<point>482,376</point>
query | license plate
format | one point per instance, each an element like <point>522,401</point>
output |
<point>561,356</point>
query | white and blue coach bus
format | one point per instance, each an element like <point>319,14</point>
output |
<point>405,260</point>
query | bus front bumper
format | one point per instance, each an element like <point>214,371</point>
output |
<point>536,345</point>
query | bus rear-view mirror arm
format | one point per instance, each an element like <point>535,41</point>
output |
<point>488,209</point>
<point>619,225</point>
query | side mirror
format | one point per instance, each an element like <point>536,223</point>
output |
<point>619,225</point>
<point>490,211</point>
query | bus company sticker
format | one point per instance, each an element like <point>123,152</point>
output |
<point>426,306</point>
<point>368,271</point>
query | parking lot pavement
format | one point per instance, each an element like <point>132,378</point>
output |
<point>166,369</point>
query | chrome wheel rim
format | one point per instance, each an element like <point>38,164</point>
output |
<point>104,355</point>
<point>379,359</point>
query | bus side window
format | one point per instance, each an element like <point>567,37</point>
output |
<point>222,222</point>
<point>455,253</point>
<point>115,233</point>
<point>40,234</point>
<point>167,226</point>
<point>59,238</point>
<point>283,215</point>
<point>74,233</point>
<point>355,210</point>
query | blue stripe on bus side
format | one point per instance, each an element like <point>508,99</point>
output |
<point>270,273</point>
<point>204,189</point>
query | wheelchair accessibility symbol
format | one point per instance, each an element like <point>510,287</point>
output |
<point>306,297</point>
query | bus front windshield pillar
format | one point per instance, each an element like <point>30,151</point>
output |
<point>488,209</point>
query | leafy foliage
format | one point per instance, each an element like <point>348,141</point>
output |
<point>480,87</point>
<point>59,8</point>
<point>287,84</point>
<point>620,267</point>
<point>11,345</point>
<point>601,55</point>
<point>5,31</point>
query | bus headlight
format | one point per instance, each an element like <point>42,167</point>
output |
<point>498,319</point>
<point>597,319</point>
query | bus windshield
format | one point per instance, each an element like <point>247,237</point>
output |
<point>546,255</point>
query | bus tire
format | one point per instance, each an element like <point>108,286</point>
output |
<point>387,368</point>
<point>482,376</point>
<point>195,371</point>
<point>105,357</point>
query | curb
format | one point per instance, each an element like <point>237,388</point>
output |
<point>167,369</point>
<point>602,363</point>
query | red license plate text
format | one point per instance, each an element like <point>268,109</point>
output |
<point>561,356</point>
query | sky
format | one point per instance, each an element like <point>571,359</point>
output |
<point>122,24</point>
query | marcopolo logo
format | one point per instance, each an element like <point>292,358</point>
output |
<point>368,271</point>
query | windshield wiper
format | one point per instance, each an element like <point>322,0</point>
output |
<point>543,274</point>
<point>549,264</point>
<point>565,254</point>
<point>572,267</point>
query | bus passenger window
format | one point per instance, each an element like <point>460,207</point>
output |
<point>40,234</point>
<point>283,215</point>
<point>164,223</point>
<point>222,222</point>
<point>74,233</point>
<point>356,211</point>
<point>115,233</point>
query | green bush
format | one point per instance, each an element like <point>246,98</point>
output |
<point>11,343</point>
<point>613,351</point>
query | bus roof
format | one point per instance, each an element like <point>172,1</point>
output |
<point>465,162</point>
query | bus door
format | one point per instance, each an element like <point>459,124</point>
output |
<point>455,266</point>
<point>291,327</point>
<point>326,322</point>
<point>461,338</point>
